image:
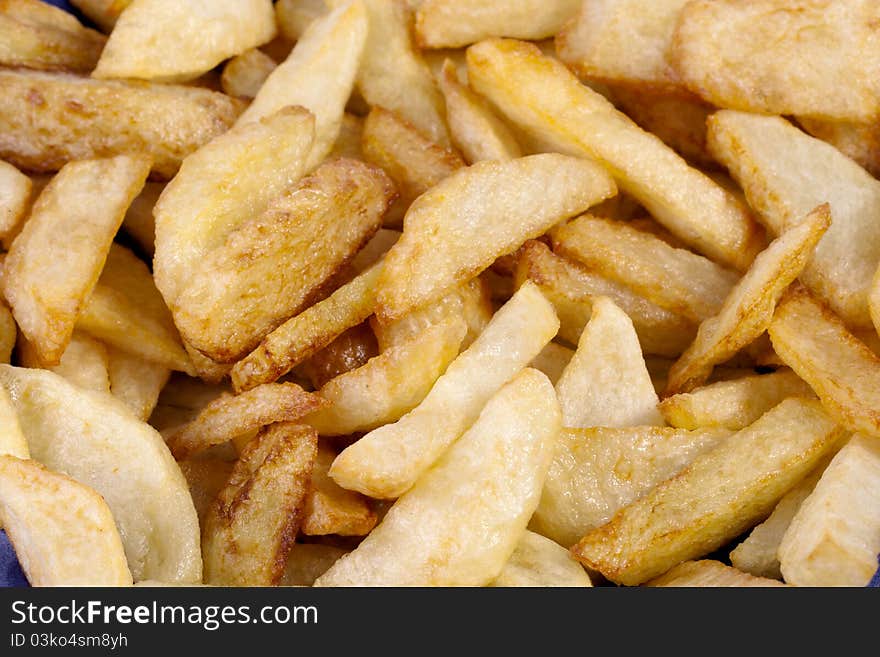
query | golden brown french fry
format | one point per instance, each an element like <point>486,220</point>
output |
<point>541,96</point>
<point>244,74</point>
<point>250,528</point>
<point>459,227</point>
<point>858,141</point>
<point>85,362</point>
<point>720,494</point>
<point>135,381</point>
<point>294,16</point>
<point>538,561</point>
<point>709,573</point>
<point>50,119</point>
<point>472,506</point>
<point>15,195</point>
<point>55,261</point>
<point>330,509</point>
<point>62,531</point>
<point>102,12</point>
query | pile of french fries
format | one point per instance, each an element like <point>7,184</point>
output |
<point>441,292</point>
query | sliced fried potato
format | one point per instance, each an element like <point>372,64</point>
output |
<point>388,461</point>
<point>472,506</point>
<point>294,16</point>
<point>552,361</point>
<point>348,143</point>
<point>307,562</point>
<point>62,531</point>
<point>206,477</point>
<point>607,384</point>
<point>541,96</point>
<point>715,498</point>
<point>782,57</point>
<point>8,333</point>
<point>330,509</point>
<point>12,440</point>
<point>733,404</point>
<point>676,279</point>
<point>459,227</point>
<point>85,362</point>
<point>55,261</point>
<point>767,155</point>
<point>351,350</point>
<point>709,573</point>
<point>596,472</point>
<point>139,222</point>
<point>168,41</point>
<point>318,74</point>
<point>102,12</point>
<point>244,74</point>
<point>146,493</point>
<point>858,141</point>
<point>135,381</point>
<point>538,561</point>
<point>748,309</point>
<point>229,416</point>
<point>15,194</point>
<point>391,384</point>
<point>37,35</point>
<point>834,537</point>
<point>250,528</point>
<point>841,369</point>
<point>50,119</point>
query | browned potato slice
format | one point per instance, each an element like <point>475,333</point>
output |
<point>244,74</point>
<point>454,23</point>
<point>55,261</point>
<point>250,528</point>
<point>675,279</point>
<point>135,381</point>
<point>414,162</point>
<point>62,531</point>
<point>103,12</point>
<point>8,333</point>
<point>139,222</point>
<point>748,309</point>
<point>541,96</point>
<point>720,494</point>
<point>858,141</point>
<point>596,472</point>
<point>733,404</point>
<point>294,16</point>
<point>472,506</point>
<point>709,573</point>
<point>843,372</point>
<point>85,362</point>
<point>330,509</point>
<point>167,40</point>
<point>767,156</point>
<point>538,561</point>
<point>459,227</point>
<point>15,195</point>
<point>50,119</point>
<point>12,440</point>
<point>229,416</point>
<point>782,56</point>
<point>35,34</point>
<point>349,351</point>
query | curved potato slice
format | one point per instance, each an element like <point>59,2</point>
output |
<point>462,520</point>
<point>62,531</point>
<point>136,382</point>
<point>15,197</point>
<point>95,439</point>
<point>244,74</point>
<point>85,362</point>
<point>459,227</point>
<point>538,561</point>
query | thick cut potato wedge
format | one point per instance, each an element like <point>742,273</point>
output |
<point>62,531</point>
<point>55,261</point>
<point>330,509</point>
<point>552,361</point>
<point>858,141</point>
<point>710,573</point>
<point>472,506</point>
<point>244,74</point>
<point>596,472</point>
<point>786,174</point>
<point>102,12</point>
<point>459,227</point>
<point>295,16</point>
<point>50,119</point>
<point>541,96</point>
<point>717,497</point>
<point>388,461</point>
<point>538,561</point>
<point>123,459</point>
<point>15,196</point>
<point>135,381</point>
<point>250,529</point>
<point>607,384</point>
<point>85,362</point>
<point>169,41</point>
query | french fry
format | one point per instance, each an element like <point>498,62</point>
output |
<point>168,41</point>
<point>330,509</point>
<point>389,385</point>
<point>538,561</point>
<point>834,537</point>
<point>541,96</point>
<point>456,23</point>
<point>50,119</point>
<point>37,35</point>
<point>244,74</point>
<point>459,227</point>
<point>135,381</point>
<point>858,141</point>
<point>148,494</point>
<point>748,309</point>
<point>472,506</point>
<point>781,57</point>
<point>84,363</point>
<point>229,416</point>
<point>62,531</point>
<point>597,471</point>
<point>295,16</point>
<point>12,440</point>
<point>138,222</point>
<point>675,279</point>
<point>15,195</point>
<point>8,333</point>
<point>552,361</point>
<point>709,573</point>
<point>733,404</point>
<point>307,562</point>
<point>766,156</point>
<point>348,143</point>
<point>55,261</point>
<point>103,12</point>
<point>249,530</point>
<point>205,477</point>
<point>386,462</point>
<point>351,350</point>
<point>318,74</point>
<point>715,498</point>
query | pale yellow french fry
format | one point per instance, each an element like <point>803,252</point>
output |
<point>538,561</point>
<point>541,96</point>
<point>139,222</point>
<point>388,461</point>
<point>552,361</point>
<point>710,573</point>
<point>15,195</point>
<point>295,16</point>
<point>244,74</point>
<point>85,362</point>
<point>103,12</point>
<point>858,141</point>
<point>472,506</point>
<point>135,381</point>
<point>12,440</point>
<point>348,143</point>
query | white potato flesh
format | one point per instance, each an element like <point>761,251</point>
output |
<point>538,561</point>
